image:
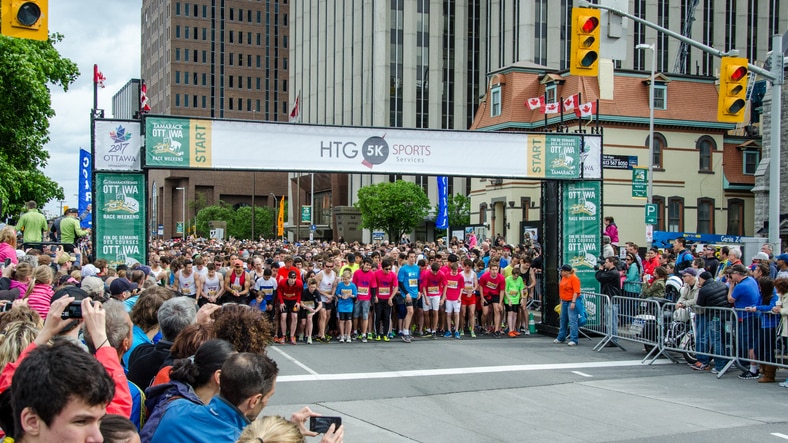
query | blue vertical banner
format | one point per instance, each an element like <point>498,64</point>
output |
<point>442,220</point>
<point>85,188</point>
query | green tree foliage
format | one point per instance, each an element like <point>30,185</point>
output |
<point>395,208</point>
<point>459,212</point>
<point>239,223</point>
<point>28,68</point>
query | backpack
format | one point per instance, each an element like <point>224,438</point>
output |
<point>684,261</point>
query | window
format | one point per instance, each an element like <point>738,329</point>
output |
<point>751,159</point>
<point>177,31</point>
<point>483,212</point>
<point>660,96</point>
<point>186,53</point>
<point>230,81</point>
<point>525,203</point>
<point>185,9</point>
<point>660,202</point>
<point>177,8</point>
<point>185,32</point>
<point>177,54</point>
<point>177,100</point>
<point>203,102</point>
<point>705,216</point>
<point>735,217</point>
<point>705,146</point>
<point>495,101</point>
<point>230,102</point>
<point>675,214</point>
<point>204,56</point>
<point>186,78</point>
<point>284,86</point>
<point>551,92</point>
<point>284,63</point>
<point>659,146</point>
<point>284,41</point>
<point>177,77</point>
<point>194,101</point>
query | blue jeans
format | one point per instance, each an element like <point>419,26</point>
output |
<point>568,316</point>
<point>701,338</point>
<point>714,337</point>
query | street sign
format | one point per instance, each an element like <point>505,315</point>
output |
<point>179,227</point>
<point>639,182</point>
<point>649,233</point>
<point>306,214</point>
<point>651,213</point>
<point>161,229</point>
<point>378,235</point>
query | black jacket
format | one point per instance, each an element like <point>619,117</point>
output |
<point>713,293</point>
<point>610,281</point>
<point>146,360</point>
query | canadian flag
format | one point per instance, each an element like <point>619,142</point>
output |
<point>570,102</point>
<point>586,110</point>
<point>144,106</point>
<point>98,77</point>
<point>551,108</point>
<point>296,111</point>
<point>535,103</point>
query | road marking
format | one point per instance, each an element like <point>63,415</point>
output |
<point>777,434</point>
<point>451,371</point>
<point>296,362</point>
<point>583,374</point>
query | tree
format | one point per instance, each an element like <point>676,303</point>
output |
<point>395,208</point>
<point>239,222</point>
<point>459,212</point>
<point>28,67</point>
<point>220,212</point>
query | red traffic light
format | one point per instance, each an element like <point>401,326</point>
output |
<point>738,73</point>
<point>589,24</point>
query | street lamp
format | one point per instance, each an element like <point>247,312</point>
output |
<point>653,48</point>
<point>183,211</point>
<point>276,219</point>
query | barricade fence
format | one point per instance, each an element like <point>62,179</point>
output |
<point>597,307</point>
<point>760,340</point>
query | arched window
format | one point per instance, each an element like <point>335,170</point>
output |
<point>659,147</point>
<point>705,146</point>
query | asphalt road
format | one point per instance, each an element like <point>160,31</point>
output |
<point>520,390</point>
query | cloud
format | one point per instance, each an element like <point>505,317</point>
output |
<point>106,33</point>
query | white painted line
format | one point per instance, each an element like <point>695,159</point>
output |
<point>777,434</point>
<point>296,362</point>
<point>454,371</point>
<point>582,374</point>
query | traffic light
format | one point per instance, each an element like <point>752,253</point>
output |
<point>733,90</point>
<point>584,59</point>
<point>24,19</point>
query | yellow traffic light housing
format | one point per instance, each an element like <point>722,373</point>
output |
<point>25,19</point>
<point>584,59</point>
<point>732,102</point>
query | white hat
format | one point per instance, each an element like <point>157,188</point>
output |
<point>89,271</point>
<point>761,256</point>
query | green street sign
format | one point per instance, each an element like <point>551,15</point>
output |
<point>179,228</point>
<point>651,213</point>
<point>639,182</point>
<point>306,214</point>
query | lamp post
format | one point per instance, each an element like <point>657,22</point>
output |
<point>183,211</point>
<point>650,172</point>
<point>276,207</point>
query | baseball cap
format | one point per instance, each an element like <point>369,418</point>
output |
<point>93,285</point>
<point>72,211</point>
<point>761,256</point>
<point>566,267</point>
<point>65,258</point>
<point>145,269</point>
<point>89,271</point>
<point>291,274</point>
<point>690,271</point>
<point>121,285</point>
<point>69,291</point>
<point>453,258</point>
<point>783,257</point>
<point>705,275</point>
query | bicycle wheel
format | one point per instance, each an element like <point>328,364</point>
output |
<point>686,342</point>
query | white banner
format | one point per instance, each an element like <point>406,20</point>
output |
<point>192,143</point>
<point>117,144</point>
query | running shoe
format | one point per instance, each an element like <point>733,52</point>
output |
<point>292,340</point>
<point>434,335</point>
<point>462,333</point>
<point>342,339</point>
<point>377,337</point>
<point>407,339</point>
<point>523,330</point>
<point>571,343</point>
<point>698,366</point>
<point>783,384</point>
<point>386,338</point>
<point>747,375</point>
<point>715,371</point>
<point>457,335</point>
<point>473,334</point>
<point>447,334</point>
<point>404,338</point>
<point>512,334</point>
<point>558,342</point>
<point>370,336</point>
<point>363,339</point>
<point>309,340</point>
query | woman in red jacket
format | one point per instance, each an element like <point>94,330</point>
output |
<point>568,291</point>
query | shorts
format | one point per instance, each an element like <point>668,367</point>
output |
<point>402,312</point>
<point>468,300</point>
<point>432,302</point>
<point>361,309</point>
<point>452,306</point>
<point>495,299</point>
<point>289,305</point>
<point>512,308</point>
<point>345,316</point>
<point>303,313</point>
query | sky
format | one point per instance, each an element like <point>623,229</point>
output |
<point>106,33</point>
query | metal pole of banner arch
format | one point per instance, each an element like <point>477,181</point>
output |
<point>276,210</point>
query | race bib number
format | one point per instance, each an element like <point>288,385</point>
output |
<point>492,285</point>
<point>452,284</point>
<point>363,291</point>
<point>347,292</point>
<point>433,290</point>
<point>413,282</point>
<point>308,304</point>
<point>384,291</point>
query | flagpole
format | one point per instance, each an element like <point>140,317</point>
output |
<point>579,117</point>
<point>95,88</point>
<point>545,113</point>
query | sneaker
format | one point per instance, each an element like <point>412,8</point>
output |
<point>527,332</point>
<point>715,371</point>
<point>349,338</point>
<point>523,330</point>
<point>354,336</point>
<point>363,339</point>
<point>342,339</point>
<point>300,337</point>
<point>386,338</point>
<point>747,375</point>
<point>512,334</point>
<point>407,339</point>
<point>497,334</point>
<point>698,366</point>
<point>447,334</point>
<point>425,333</point>
<point>377,337</point>
<point>292,340</point>
<point>462,333</point>
<point>457,335</point>
<point>559,342</point>
<point>309,340</point>
<point>571,343</point>
<point>404,338</point>
<point>473,334</point>
<point>370,336</point>
<point>783,384</point>
<point>434,335</point>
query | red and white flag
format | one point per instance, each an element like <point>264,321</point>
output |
<point>98,77</point>
<point>586,110</point>
<point>535,102</point>
<point>551,108</point>
<point>144,106</point>
<point>570,102</point>
<point>296,111</point>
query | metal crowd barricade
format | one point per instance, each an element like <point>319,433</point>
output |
<point>596,306</point>
<point>536,301</point>
<point>633,319</point>
<point>760,333</point>
<point>708,334</point>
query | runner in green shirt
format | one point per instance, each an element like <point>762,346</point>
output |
<point>33,224</point>
<point>511,300</point>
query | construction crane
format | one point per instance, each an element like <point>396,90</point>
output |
<point>680,67</point>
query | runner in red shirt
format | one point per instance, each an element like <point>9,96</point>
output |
<point>387,289</point>
<point>289,293</point>
<point>454,285</point>
<point>493,284</point>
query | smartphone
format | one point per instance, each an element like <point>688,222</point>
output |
<point>53,249</point>
<point>7,262</point>
<point>73,310</point>
<point>322,423</point>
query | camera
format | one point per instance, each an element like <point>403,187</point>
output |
<point>6,307</point>
<point>321,424</point>
<point>73,310</point>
